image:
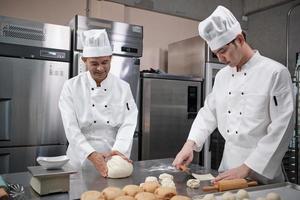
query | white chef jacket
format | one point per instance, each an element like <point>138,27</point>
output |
<point>253,110</point>
<point>97,118</point>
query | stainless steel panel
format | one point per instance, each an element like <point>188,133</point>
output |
<point>30,33</point>
<point>33,87</point>
<point>5,112</point>
<point>165,118</point>
<point>17,159</point>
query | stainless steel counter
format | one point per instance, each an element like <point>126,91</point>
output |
<point>90,179</point>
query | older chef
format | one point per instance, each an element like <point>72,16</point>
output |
<point>251,104</point>
<point>97,108</point>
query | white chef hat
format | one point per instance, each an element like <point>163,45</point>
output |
<point>95,43</point>
<point>220,28</point>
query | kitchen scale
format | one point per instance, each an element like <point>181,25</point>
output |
<point>45,181</point>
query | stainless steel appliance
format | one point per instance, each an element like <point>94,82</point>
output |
<point>34,63</point>
<point>193,57</point>
<point>169,107</point>
<point>127,45</point>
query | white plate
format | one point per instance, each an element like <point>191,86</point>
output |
<point>52,162</point>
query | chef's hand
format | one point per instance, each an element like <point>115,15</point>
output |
<point>99,161</point>
<point>239,172</point>
<point>185,156</point>
<point>115,152</point>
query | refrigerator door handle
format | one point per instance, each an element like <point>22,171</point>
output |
<point>5,112</point>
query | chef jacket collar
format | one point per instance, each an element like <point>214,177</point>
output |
<point>250,63</point>
<point>104,84</point>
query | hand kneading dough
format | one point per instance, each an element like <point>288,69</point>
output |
<point>118,167</point>
<point>242,194</point>
<point>179,197</point>
<point>151,178</point>
<point>165,193</point>
<point>193,183</point>
<point>150,186</point>
<point>111,193</point>
<point>145,196</point>
<point>132,190</point>
<point>209,197</point>
<point>91,195</point>
<point>124,198</point>
<point>273,196</point>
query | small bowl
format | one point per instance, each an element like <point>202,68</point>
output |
<point>52,162</point>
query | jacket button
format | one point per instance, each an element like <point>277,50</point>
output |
<point>240,113</point>
<point>107,122</point>
<point>245,74</point>
<point>236,132</point>
<point>104,89</point>
<point>227,131</point>
<point>93,105</point>
<point>232,75</point>
<point>95,122</point>
<point>229,111</point>
<point>229,93</point>
<point>105,106</point>
<point>242,93</point>
<point>92,88</point>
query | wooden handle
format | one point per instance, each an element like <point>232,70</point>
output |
<point>3,194</point>
<point>252,183</point>
<point>183,168</point>
<point>210,188</point>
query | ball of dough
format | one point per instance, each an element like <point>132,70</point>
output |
<point>164,176</point>
<point>273,196</point>
<point>180,197</point>
<point>209,197</point>
<point>151,178</point>
<point>132,190</point>
<point>91,195</point>
<point>150,186</point>
<point>165,193</point>
<point>242,194</point>
<point>145,196</point>
<point>118,167</point>
<point>260,198</point>
<point>193,183</point>
<point>228,196</point>
<point>111,193</point>
<point>167,183</point>
<point>125,198</point>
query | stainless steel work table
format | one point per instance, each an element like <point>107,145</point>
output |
<point>90,179</point>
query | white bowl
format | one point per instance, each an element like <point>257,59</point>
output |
<point>52,162</point>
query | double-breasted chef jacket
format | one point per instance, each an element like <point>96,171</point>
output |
<point>253,111</point>
<point>97,118</point>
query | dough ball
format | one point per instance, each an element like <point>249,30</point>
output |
<point>165,193</point>
<point>193,183</point>
<point>260,198</point>
<point>180,197</point>
<point>150,186</point>
<point>132,190</point>
<point>151,178</point>
<point>228,196</point>
<point>242,194</point>
<point>124,198</point>
<point>164,176</point>
<point>145,196</point>
<point>273,196</point>
<point>168,183</point>
<point>209,197</point>
<point>118,167</point>
<point>111,193</point>
<point>91,195</point>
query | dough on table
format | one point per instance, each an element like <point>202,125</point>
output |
<point>193,183</point>
<point>180,197</point>
<point>145,196</point>
<point>260,198</point>
<point>111,193</point>
<point>132,190</point>
<point>150,186</point>
<point>151,178</point>
<point>242,194</point>
<point>164,176</point>
<point>118,167</point>
<point>124,198</point>
<point>228,196</point>
<point>167,183</point>
<point>209,197</point>
<point>273,196</point>
<point>165,193</point>
<point>91,195</point>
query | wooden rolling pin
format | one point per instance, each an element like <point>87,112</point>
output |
<point>224,185</point>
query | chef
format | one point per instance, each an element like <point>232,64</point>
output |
<point>97,108</point>
<point>251,104</point>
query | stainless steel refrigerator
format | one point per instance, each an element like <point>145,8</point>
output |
<point>34,64</point>
<point>127,44</point>
<point>168,109</point>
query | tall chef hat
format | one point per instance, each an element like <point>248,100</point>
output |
<point>95,43</point>
<point>220,28</point>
